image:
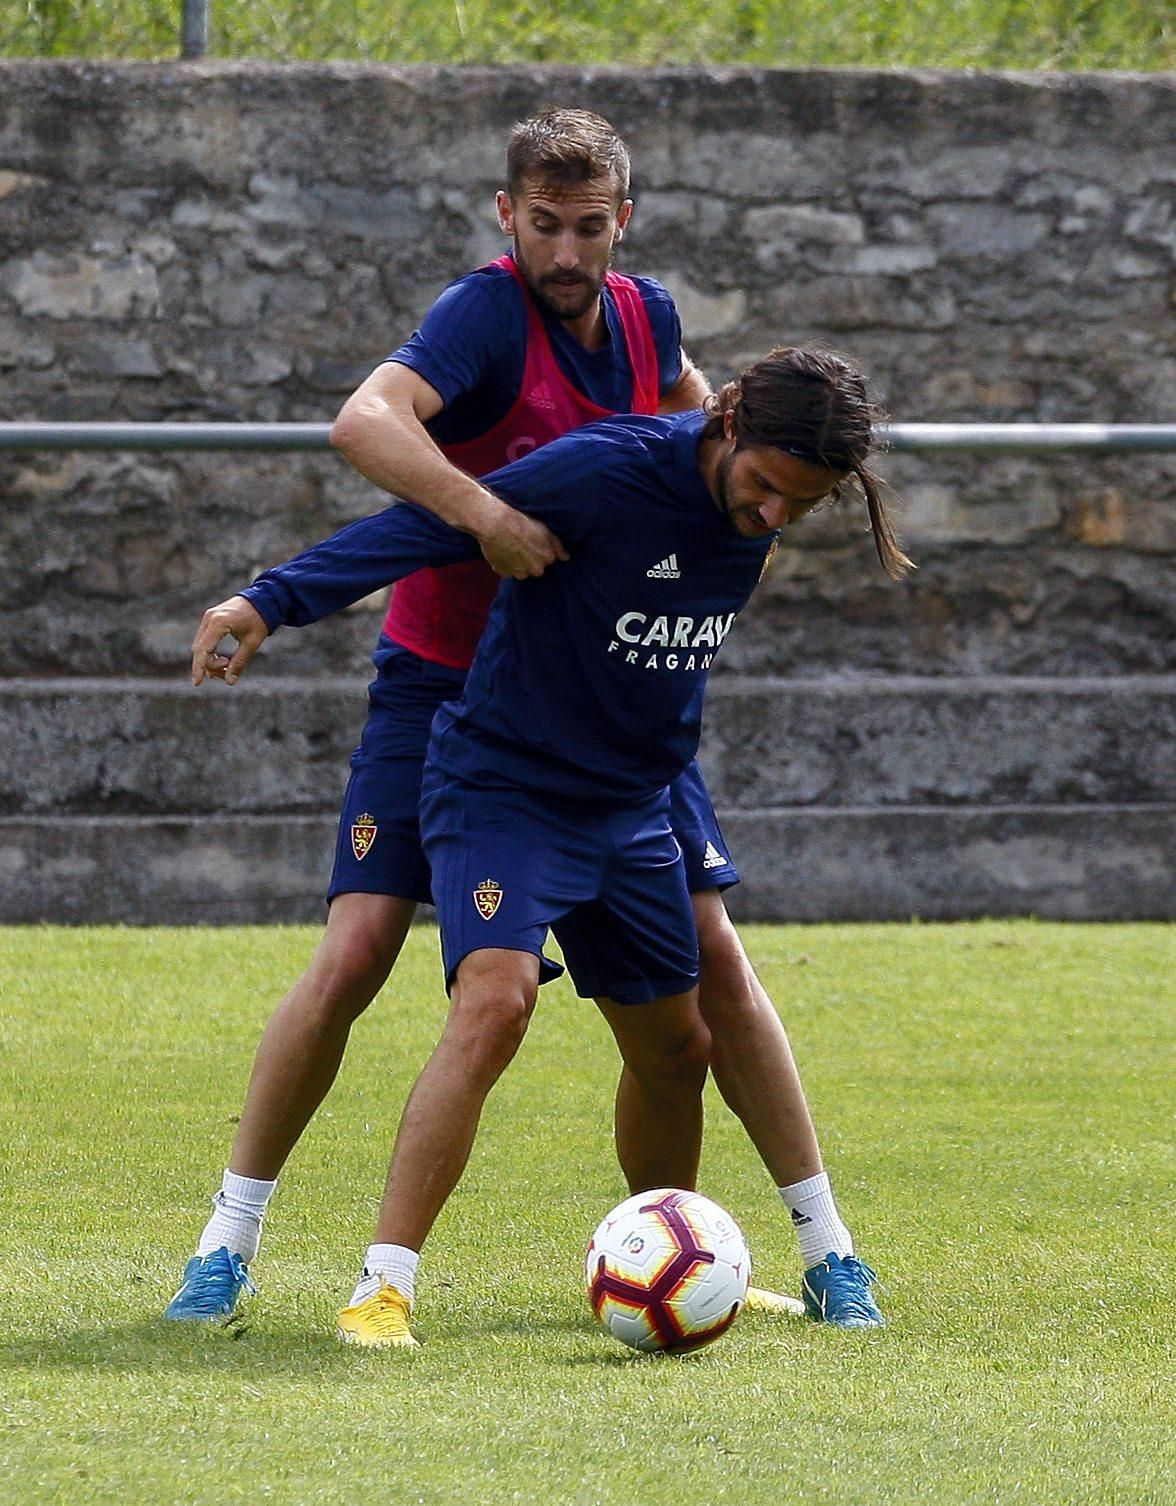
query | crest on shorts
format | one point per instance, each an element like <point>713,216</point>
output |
<point>488,897</point>
<point>363,834</point>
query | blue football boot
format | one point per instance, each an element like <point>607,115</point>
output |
<point>210,1288</point>
<point>837,1291</point>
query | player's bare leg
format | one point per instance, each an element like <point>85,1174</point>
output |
<point>751,1058</point>
<point>665,1048</point>
<point>756,1074</point>
<point>302,1047</point>
<point>493,998</point>
<point>295,1064</point>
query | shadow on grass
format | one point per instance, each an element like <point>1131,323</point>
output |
<point>246,1346</point>
<point>153,1345</point>
<point>617,1357</point>
<point>526,1325</point>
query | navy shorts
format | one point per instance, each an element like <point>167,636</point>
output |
<point>508,868</point>
<point>698,832</point>
<point>378,846</point>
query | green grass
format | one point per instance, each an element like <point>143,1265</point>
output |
<point>1125,34</point>
<point>995,1103</point>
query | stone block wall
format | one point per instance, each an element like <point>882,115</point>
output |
<point>246,241</point>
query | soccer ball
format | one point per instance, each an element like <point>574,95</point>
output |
<point>667,1271</point>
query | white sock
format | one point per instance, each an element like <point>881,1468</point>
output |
<point>238,1209</point>
<point>816,1220</point>
<point>395,1264</point>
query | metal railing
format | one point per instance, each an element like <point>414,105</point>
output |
<point>1008,439</point>
<point>194,29</point>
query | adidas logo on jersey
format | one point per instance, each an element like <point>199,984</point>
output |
<point>667,569</point>
<point>712,857</point>
<point>540,397</point>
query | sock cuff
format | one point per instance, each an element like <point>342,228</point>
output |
<point>395,1264</point>
<point>247,1189</point>
<point>810,1187</point>
<point>387,1260</point>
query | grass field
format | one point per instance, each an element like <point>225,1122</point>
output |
<point>1135,34</point>
<point>996,1106</point>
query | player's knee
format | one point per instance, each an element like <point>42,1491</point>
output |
<point>691,1060</point>
<point>353,962</point>
<point>727,981</point>
<point>678,1062</point>
<point>488,1043</point>
<point>489,1017</point>
<point>719,945</point>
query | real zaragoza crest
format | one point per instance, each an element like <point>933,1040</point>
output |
<point>363,834</point>
<point>488,897</point>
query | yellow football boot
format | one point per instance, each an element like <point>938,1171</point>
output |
<point>379,1321</point>
<point>760,1300</point>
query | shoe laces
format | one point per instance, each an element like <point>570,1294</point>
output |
<point>207,1287</point>
<point>851,1282</point>
<point>865,1272</point>
<point>387,1313</point>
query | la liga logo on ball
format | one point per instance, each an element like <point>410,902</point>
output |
<point>667,1271</point>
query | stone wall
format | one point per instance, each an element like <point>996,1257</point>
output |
<point>246,241</point>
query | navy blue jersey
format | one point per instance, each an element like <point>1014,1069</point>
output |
<point>588,682</point>
<point>472,345</point>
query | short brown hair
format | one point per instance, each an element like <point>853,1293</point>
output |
<point>814,405</point>
<point>566,147</point>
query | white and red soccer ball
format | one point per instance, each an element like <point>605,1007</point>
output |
<point>667,1271</point>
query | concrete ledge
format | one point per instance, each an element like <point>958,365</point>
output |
<point>281,745</point>
<point>983,740</point>
<point>1059,862</point>
<point>159,870</point>
<point>158,747</point>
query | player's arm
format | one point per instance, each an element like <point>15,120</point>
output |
<point>690,390</point>
<point>682,387</point>
<point>381,431</point>
<point>568,483</point>
<point>563,482</point>
<point>329,576</point>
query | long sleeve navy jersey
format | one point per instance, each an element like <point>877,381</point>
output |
<point>588,683</point>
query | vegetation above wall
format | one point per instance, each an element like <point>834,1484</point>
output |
<point>1097,34</point>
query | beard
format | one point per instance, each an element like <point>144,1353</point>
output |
<point>739,515</point>
<point>559,295</point>
<point>723,483</point>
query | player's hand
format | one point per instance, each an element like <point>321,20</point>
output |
<point>517,546</point>
<point>235,618</point>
